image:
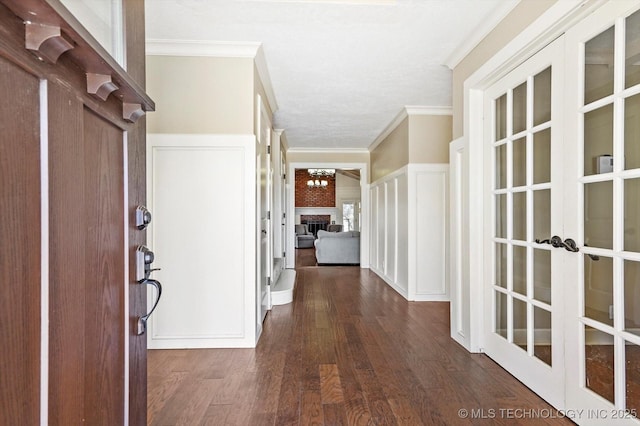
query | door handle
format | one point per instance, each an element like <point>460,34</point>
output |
<point>556,241</point>
<point>570,245</point>
<point>144,259</point>
<point>142,321</point>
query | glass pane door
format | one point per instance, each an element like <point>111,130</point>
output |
<point>523,146</point>
<point>607,309</point>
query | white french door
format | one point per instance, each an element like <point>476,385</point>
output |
<point>602,195</point>
<point>562,299</point>
<point>523,301</point>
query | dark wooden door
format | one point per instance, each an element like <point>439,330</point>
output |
<point>72,171</point>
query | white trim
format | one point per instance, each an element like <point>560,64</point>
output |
<point>301,150</point>
<point>317,210</point>
<point>221,49</point>
<point>458,290</point>
<point>405,112</point>
<point>218,49</point>
<point>428,110</point>
<point>479,33</point>
<point>127,328</point>
<point>44,253</point>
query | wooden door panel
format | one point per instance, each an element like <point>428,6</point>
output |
<point>86,357</point>
<point>20,250</point>
<point>104,298</point>
<point>68,275</point>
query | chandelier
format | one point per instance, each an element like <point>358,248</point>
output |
<point>318,174</point>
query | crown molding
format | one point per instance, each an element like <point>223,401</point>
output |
<point>428,110</point>
<point>218,49</point>
<point>479,33</point>
<point>405,112</point>
<point>223,49</point>
<point>329,150</point>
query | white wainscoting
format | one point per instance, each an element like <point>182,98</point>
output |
<point>201,193</point>
<point>409,223</point>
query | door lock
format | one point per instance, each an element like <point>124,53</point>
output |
<point>144,259</point>
<point>143,217</point>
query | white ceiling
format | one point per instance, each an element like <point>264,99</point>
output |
<point>340,70</point>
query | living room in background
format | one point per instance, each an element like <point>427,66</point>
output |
<point>330,211</point>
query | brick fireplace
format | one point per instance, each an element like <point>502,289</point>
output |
<point>315,222</point>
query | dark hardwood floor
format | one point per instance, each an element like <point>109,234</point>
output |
<point>348,350</point>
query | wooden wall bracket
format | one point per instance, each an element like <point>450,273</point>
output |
<point>132,112</point>
<point>100,85</point>
<point>46,41</point>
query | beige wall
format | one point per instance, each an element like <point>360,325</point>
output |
<point>392,153</point>
<point>417,139</point>
<point>201,94</point>
<point>429,137</point>
<point>517,20</point>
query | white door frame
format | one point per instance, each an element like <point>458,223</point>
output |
<point>551,24</point>
<point>291,209</point>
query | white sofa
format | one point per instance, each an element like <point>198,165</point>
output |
<point>338,248</point>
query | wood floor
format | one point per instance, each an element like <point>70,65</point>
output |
<point>348,351</point>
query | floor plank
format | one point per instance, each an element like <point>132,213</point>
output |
<point>348,350</point>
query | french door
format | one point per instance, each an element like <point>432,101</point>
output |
<point>602,195</point>
<point>562,136</point>
<point>523,306</point>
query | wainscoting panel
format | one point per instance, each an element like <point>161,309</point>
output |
<point>402,224</point>
<point>391,193</point>
<point>431,207</point>
<point>202,197</point>
<point>391,245</point>
<point>381,228</point>
<point>373,253</point>
<point>409,239</point>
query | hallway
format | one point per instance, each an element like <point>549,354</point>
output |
<point>348,350</point>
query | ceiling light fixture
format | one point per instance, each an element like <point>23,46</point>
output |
<point>317,183</point>
<point>321,172</point>
<point>318,174</point>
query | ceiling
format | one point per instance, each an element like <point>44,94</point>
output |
<point>341,70</point>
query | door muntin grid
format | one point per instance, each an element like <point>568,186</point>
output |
<point>521,146</point>
<point>609,188</point>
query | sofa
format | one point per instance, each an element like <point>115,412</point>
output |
<point>304,238</point>
<point>338,248</point>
